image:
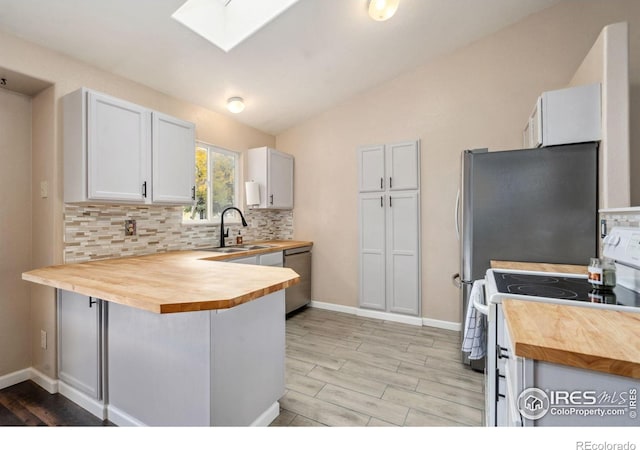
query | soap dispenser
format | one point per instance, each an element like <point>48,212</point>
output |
<point>239,238</point>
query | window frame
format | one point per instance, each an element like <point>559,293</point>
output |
<point>230,219</point>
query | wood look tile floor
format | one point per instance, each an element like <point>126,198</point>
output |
<point>341,370</point>
<point>344,370</point>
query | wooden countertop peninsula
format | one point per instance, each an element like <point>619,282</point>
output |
<point>181,281</point>
<point>597,339</point>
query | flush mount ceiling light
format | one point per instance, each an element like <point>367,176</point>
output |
<point>382,9</point>
<point>235,105</point>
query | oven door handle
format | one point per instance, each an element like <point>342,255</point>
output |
<point>478,297</point>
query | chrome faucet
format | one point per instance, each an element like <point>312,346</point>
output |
<point>223,233</point>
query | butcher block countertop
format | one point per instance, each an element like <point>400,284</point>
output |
<point>180,281</point>
<point>597,339</point>
<point>539,267</point>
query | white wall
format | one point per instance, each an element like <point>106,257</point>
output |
<point>478,96</point>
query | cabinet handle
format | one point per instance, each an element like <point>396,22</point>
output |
<point>193,193</point>
<point>271,201</point>
<point>381,201</point>
<point>390,183</point>
<point>381,183</point>
<point>92,302</point>
<point>498,394</point>
<point>390,202</point>
<point>499,352</point>
<point>144,189</point>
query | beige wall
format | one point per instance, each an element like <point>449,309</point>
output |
<point>67,75</point>
<point>15,229</point>
<point>479,96</point>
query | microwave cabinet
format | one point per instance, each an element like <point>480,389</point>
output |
<point>565,116</point>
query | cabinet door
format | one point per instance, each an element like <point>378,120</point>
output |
<point>403,166</point>
<point>280,180</point>
<point>173,154</point>
<point>403,268</point>
<point>119,148</point>
<point>79,342</point>
<point>372,250</point>
<point>371,169</point>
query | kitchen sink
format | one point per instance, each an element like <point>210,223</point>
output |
<point>236,248</point>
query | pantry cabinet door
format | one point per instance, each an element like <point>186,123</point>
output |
<point>372,251</point>
<point>403,260</point>
<point>371,169</point>
<point>119,148</point>
<point>403,166</point>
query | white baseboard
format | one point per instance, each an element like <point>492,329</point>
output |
<point>45,382</point>
<point>268,416</point>
<point>392,317</point>
<point>14,378</point>
<point>95,407</point>
<point>122,419</point>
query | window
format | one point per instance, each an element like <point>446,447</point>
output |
<point>217,173</point>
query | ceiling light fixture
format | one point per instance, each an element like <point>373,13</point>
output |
<point>382,9</point>
<point>235,105</point>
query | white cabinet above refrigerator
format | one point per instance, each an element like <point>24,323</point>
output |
<point>565,116</point>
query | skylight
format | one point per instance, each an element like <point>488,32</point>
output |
<point>226,23</point>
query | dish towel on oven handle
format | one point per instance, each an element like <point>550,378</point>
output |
<point>474,341</point>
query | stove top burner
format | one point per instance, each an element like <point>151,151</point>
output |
<point>560,287</point>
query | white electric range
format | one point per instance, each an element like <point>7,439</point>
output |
<point>622,245</point>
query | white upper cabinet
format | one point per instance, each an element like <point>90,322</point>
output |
<point>565,116</point>
<point>117,151</point>
<point>173,159</point>
<point>371,168</point>
<point>273,171</point>
<point>389,167</point>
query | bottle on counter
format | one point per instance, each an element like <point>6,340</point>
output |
<point>602,273</point>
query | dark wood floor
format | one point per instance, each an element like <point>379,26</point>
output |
<point>27,404</point>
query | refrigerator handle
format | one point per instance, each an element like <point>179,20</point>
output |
<point>457,215</point>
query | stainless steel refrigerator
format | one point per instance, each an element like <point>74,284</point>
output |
<point>532,205</point>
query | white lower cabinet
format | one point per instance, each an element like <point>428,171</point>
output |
<point>569,396</point>
<point>389,246</point>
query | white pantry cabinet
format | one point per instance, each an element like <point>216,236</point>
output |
<point>389,167</point>
<point>273,171</point>
<point>117,151</point>
<point>389,229</point>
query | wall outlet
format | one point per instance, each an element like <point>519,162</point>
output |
<point>44,189</point>
<point>130,227</point>
<point>43,339</point>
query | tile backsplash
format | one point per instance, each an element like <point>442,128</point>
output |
<point>98,231</point>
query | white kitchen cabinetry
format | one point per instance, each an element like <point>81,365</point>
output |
<point>565,116</point>
<point>389,231</point>
<point>274,259</point>
<point>173,159</point>
<point>389,167</point>
<point>117,151</point>
<point>80,349</point>
<point>273,171</point>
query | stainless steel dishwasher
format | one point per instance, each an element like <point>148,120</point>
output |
<point>298,295</point>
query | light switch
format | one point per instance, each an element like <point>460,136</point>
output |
<point>44,189</point>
